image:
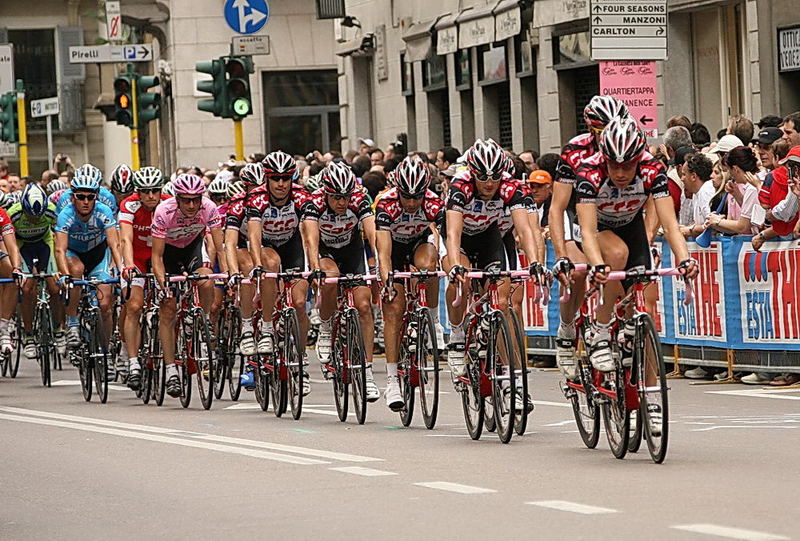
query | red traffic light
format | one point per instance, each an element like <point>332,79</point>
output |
<point>236,68</point>
<point>123,101</point>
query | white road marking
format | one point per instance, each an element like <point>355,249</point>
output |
<point>164,439</point>
<point>562,423</point>
<point>77,382</point>
<point>777,394</point>
<point>573,507</point>
<point>455,487</point>
<point>730,533</point>
<point>739,426</point>
<point>255,406</point>
<point>365,472</point>
<point>199,436</point>
<point>556,404</point>
<point>323,412</point>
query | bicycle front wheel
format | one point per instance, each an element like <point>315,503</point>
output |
<point>653,390</point>
<point>85,372</point>
<point>472,401</point>
<point>341,379</point>
<point>406,371</point>
<point>99,353</point>
<point>262,384</point>
<point>616,416</point>
<point>13,358</point>
<point>223,353</point>
<point>501,360</point>
<point>584,408</point>
<point>43,323</point>
<point>293,357</point>
<point>427,366</point>
<point>234,358</point>
<point>203,358</point>
<point>521,373</point>
<point>357,358</point>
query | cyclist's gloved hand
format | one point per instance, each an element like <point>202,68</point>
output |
<point>256,272</point>
<point>234,279</point>
<point>457,273</point>
<point>128,272</point>
<point>689,268</point>
<point>562,269</point>
<point>17,275</point>
<point>537,272</point>
<point>598,275</point>
<point>64,282</point>
<point>374,269</point>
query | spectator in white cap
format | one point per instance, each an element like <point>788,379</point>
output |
<point>365,145</point>
<point>726,144</point>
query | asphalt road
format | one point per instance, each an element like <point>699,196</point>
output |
<point>123,470</point>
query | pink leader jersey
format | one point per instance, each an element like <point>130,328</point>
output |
<point>178,230</point>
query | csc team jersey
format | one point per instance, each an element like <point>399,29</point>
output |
<point>617,207</point>
<point>578,149</point>
<point>85,235</point>
<point>179,230</point>
<point>337,230</point>
<point>408,227</point>
<point>278,223</point>
<point>479,215</point>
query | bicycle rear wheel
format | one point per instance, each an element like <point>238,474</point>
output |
<point>616,416</point>
<point>501,359</point>
<point>653,390</point>
<point>203,357</point>
<point>584,408</point>
<point>635,440</point>
<point>85,372</point>
<point>293,357</point>
<point>99,353</point>
<point>159,368</point>
<point>521,373</point>
<point>223,354</point>
<point>186,383</point>
<point>358,365</point>
<point>278,385</point>
<point>472,401</point>
<point>427,362</point>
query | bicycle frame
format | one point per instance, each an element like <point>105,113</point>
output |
<point>345,302</point>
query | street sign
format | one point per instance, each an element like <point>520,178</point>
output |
<point>8,150</point>
<point>102,54</point>
<point>44,107</point>
<point>629,29</point>
<point>246,16</point>
<point>6,68</point>
<point>250,45</point>
<point>634,83</point>
<point>113,20</point>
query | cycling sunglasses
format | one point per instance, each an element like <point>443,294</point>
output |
<point>149,190</point>
<point>190,200</point>
<point>415,197</point>
<point>85,196</point>
<point>281,178</point>
<point>340,197</point>
<point>486,178</point>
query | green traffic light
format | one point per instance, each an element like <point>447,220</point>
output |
<point>241,107</point>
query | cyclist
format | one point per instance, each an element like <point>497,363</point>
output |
<point>238,256</point>
<point>613,187</point>
<point>335,218</point>
<point>9,266</point>
<point>564,230</point>
<point>476,200</point>
<point>218,193</point>
<point>121,182</point>
<point>86,242</point>
<point>276,242</point>
<point>104,196</point>
<point>34,218</point>
<point>404,216</point>
<point>179,229</point>
<point>135,219</point>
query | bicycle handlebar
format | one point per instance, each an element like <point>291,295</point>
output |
<point>195,277</point>
<point>351,278</point>
<point>94,282</point>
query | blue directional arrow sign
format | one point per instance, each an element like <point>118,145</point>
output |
<point>246,16</point>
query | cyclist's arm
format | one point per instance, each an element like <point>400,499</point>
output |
<point>384,239</point>
<point>558,205</point>
<point>312,242</point>
<point>526,236</point>
<point>231,245</point>
<point>217,240</point>
<point>62,241</point>
<point>126,239</point>
<point>254,240</point>
<point>587,218</point>
<point>10,240</point>
<point>157,260</point>
<point>368,225</point>
<point>651,221</point>
<point>455,225</point>
<point>666,214</point>
<point>112,237</point>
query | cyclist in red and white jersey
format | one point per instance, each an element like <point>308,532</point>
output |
<point>476,201</point>
<point>335,218</point>
<point>404,217</point>
<point>136,219</point>
<point>276,242</point>
<point>613,187</point>
<point>564,230</point>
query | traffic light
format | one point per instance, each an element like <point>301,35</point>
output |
<point>149,103</point>
<point>123,101</point>
<point>238,70</point>
<point>215,87</point>
<point>8,117</point>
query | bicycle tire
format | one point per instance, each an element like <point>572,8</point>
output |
<point>278,386</point>
<point>13,367</point>
<point>186,384</point>
<point>472,401</point>
<point>203,357</point>
<point>428,369</point>
<point>293,356</point>
<point>235,358</point>
<point>584,408</point>
<point>488,414</point>
<point>341,379</point>
<point>405,367</point>
<point>42,318</point>
<point>521,419</point>
<point>262,385</point>
<point>358,365</point>
<point>85,372</point>
<point>145,390</point>
<point>635,440</point>
<point>223,335</point>
<point>159,367</point>
<point>502,372</point>
<point>99,354</point>
<point>650,395</point>
<point>616,415</point>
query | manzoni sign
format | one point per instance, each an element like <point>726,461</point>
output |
<point>789,49</point>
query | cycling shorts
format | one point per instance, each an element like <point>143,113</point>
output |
<point>634,236</point>
<point>96,262</point>
<point>291,252</point>
<point>510,247</point>
<point>350,259</point>
<point>403,252</point>
<point>485,250</point>
<point>42,253</point>
<point>188,259</point>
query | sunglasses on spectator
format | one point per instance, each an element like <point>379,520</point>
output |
<point>340,197</point>
<point>190,200</point>
<point>486,178</point>
<point>85,196</point>
<point>150,190</point>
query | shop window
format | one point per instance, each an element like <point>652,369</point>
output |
<point>434,73</point>
<point>572,48</point>
<point>35,64</point>
<point>492,64</point>
<point>523,58</point>
<point>463,70</point>
<point>504,116</point>
<point>407,76</point>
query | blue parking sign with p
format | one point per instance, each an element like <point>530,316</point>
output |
<point>246,16</point>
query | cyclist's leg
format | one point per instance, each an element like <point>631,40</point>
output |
<point>75,268</point>
<point>271,262</point>
<point>327,307</point>
<point>293,256</point>
<point>8,303</point>
<point>27,254</point>
<point>132,327</point>
<point>566,334</point>
<point>106,295</point>
<point>205,287</point>
<point>246,293</point>
<point>425,258</point>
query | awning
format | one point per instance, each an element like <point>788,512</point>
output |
<point>419,42</point>
<point>447,34</point>
<point>553,12</point>
<point>507,19</point>
<point>357,47</point>
<point>475,27</point>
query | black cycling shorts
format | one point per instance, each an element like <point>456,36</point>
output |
<point>485,250</point>
<point>403,252</point>
<point>291,252</point>
<point>510,247</point>
<point>350,259</point>
<point>188,259</point>
<point>634,236</point>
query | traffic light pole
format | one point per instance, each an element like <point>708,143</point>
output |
<point>134,128</point>
<point>23,131</point>
<point>238,139</point>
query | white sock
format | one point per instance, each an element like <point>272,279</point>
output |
<point>247,325</point>
<point>435,315</point>
<point>325,325</point>
<point>266,326</point>
<point>567,330</point>
<point>457,334</point>
<point>123,350</point>
<point>134,364</point>
<point>391,369</point>
<point>172,370</point>
<point>3,326</point>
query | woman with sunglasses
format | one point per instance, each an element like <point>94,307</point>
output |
<point>334,219</point>
<point>86,241</point>
<point>135,223</point>
<point>179,230</point>
<point>403,217</point>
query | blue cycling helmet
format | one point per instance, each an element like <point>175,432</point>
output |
<point>87,177</point>
<point>34,200</point>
